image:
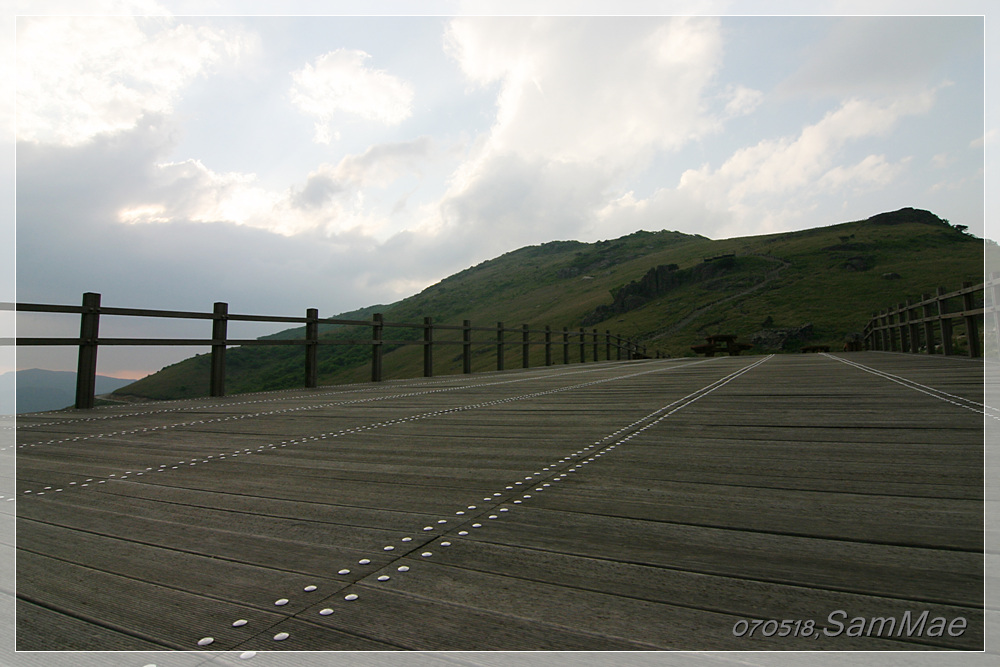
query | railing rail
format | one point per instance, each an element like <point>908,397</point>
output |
<point>89,340</point>
<point>931,321</point>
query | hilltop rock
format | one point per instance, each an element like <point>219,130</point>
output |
<point>778,339</point>
<point>906,215</point>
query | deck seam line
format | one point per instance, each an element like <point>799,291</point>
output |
<point>616,438</point>
<point>205,458</point>
<point>922,388</point>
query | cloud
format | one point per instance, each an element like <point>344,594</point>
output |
<point>988,138</point>
<point>777,167</point>
<point>378,166</point>
<point>582,105</point>
<point>180,258</point>
<point>78,77</point>
<point>586,90</point>
<point>341,82</point>
<point>513,200</point>
<point>770,185</point>
<point>333,198</point>
<point>742,100</point>
<point>124,177</point>
<point>871,173</point>
<point>883,55</point>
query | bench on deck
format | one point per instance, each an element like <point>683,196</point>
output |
<point>721,343</point>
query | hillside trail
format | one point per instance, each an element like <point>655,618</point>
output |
<point>687,319</point>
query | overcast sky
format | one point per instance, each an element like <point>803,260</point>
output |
<point>285,162</point>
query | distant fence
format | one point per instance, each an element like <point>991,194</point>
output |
<point>932,322</point>
<point>89,341</point>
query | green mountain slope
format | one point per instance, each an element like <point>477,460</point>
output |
<point>666,289</point>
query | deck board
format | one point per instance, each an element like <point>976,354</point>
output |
<point>606,506</point>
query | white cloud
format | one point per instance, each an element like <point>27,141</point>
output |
<point>377,167</point>
<point>775,169</point>
<point>582,105</point>
<point>742,100</point>
<point>871,173</point>
<point>341,82</point>
<point>586,90</point>
<point>988,138</point>
<point>943,160</point>
<point>81,76</point>
<point>879,55</point>
<point>333,198</point>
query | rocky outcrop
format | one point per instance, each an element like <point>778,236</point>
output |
<point>781,338</point>
<point>658,281</point>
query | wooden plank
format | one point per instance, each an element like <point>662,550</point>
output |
<point>154,614</point>
<point>802,484</point>
<point>38,629</point>
<point>934,523</point>
<point>269,552</point>
<point>739,596</point>
<point>425,624</point>
<point>927,575</point>
<point>210,575</point>
<point>618,618</point>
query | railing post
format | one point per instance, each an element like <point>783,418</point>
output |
<point>945,322</point>
<point>548,345</point>
<point>928,325</point>
<point>890,322</point>
<point>887,333</point>
<point>428,347</point>
<point>525,347</point>
<point>86,364</point>
<point>971,328</point>
<point>377,347</point>
<point>901,326</point>
<point>912,328</point>
<point>583,346</point>
<point>565,345</point>
<point>618,347</point>
<point>994,287</point>
<point>312,348</point>
<point>466,346</point>
<point>607,344</point>
<point>500,331</point>
<point>596,344</point>
<point>219,324</point>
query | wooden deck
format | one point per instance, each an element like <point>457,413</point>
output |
<point>631,506</point>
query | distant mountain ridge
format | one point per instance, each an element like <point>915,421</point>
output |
<point>38,390</point>
<point>666,289</point>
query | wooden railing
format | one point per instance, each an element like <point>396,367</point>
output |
<point>89,341</point>
<point>930,322</point>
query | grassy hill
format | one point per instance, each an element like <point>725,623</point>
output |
<point>666,289</point>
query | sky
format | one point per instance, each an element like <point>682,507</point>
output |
<point>170,159</point>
